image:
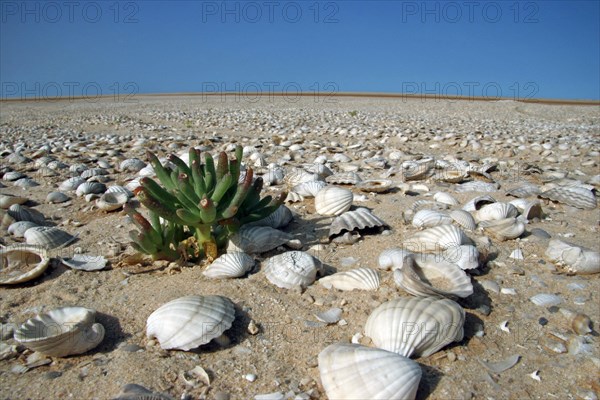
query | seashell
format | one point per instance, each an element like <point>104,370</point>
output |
<point>496,211</point>
<point>291,269</point>
<point>274,176</point>
<point>46,172</point>
<point>71,184</point>
<point>524,191</point>
<point>430,218</point>
<point>356,220</point>
<point>111,201</point>
<point>191,321</point>
<point>131,165</point>
<point>417,170</point>
<point>464,219</point>
<point>104,164</point>
<point>478,202</point>
<point>148,171</point>
<point>433,277</point>
<point>501,366</point>
<point>278,219</point>
<point>451,175</point>
<point>575,196</point>
<point>393,258</point>
<point>465,256</point>
<point>13,176</point>
<point>48,237</point>
<point>477,186</point>
<point>293,197</point>
<point>257,239</point>
<point>61,332</point>
<point>445,198</point>
<point>581,324</point>
<point>375,185</point>
<point>361,279</point>
<point>320,169</point>
<point>229,265</point>
<point>90,188</point>
<point>85,262</point>
<point>352,371</point>
<point>341,158</point>
<point>528,209</point>
<point>333,200</point>
<point>415,326</point>
<point>18,229</point>
<point>503,229</point>
<point>436,239</point>
<point>7,200</point>
<point>344,178</point>
<point>24,213</point>
<point>88,173</point>
<point>78,168</point>
<point>21,263</point>
<point>309,189</point>
<point>25,183</point>
<point>131,391</point>
<point>56,197</point>
<point>119,189</point>
<point>546,300</point>
<point>297,176</point>
<point>577,259</point>
<point>331,316</point>
<point>348,238</point>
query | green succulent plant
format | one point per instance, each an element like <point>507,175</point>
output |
<point>206,198</point>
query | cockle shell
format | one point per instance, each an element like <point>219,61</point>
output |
<point>49,237</point>
<point>577,259</point>
<point>111,201</point>
<point>297,176</point>
<point>21,263</point>
<point>445,198</point>
<point>393,258</point>
<point>25,183</point>
<point>191,321</point>
<point>292,268</point>
<point>13,176</point>
<point>85,262</point>
<point>464,219</point>
<point>7,200</point>
<point>56,197</point>
<point>529,209</point>
<point>278,219</point>
<point>293,197</point>
<point>430,218</point>
<point>71,184</point>
<point>496,211</point>
<point>333,200</point>
<point>309,189</point>
<point>503,229</point>
<point>451,174</point>
<point>120,189</point>
<point>359,219</point>
<point>90,188</point>
<point>257,239</point>
<point>524,190</point>
<point>360,278</point>
<point>88,173</point>
<point>344,178</point>
<point>416,326</point>
<point>18,229</point>
<point>352,371</point>
<point>132,165</point>
<point>229,265</point>
<point>465,256</point>
<point>24,213</point>
<point>478,202</point>
<point>375,185</point>
<point>436,239</point>
<point>575,196</point>
<point>320,169</point>
<point>61,332</point>
<point>477,186</point>
<point>417,170</point>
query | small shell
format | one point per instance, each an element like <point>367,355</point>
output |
<point>88,173</point>
<point>333,200</point>
<point>465,256</point>
<point>575,196</point>
<point>21,263</point>
<point>390,259</point>
<point>7,200</point>
<point>90,188</point>
<point>257,239</point>
<point>503,229</point>
<point>352,371</point>
<point>18,229</point>
<point>293,197</point>
<point>292,268</point>
<point>478,202</point>
<point>119,189</point>
<point>297,176</point>
<point>375,185</point>
<point>48,237</point>
<point>278,219</point>
<point>581,324</point>
<point>528,209</point>
<point>477,186</point>
<point>331,316</point>
<point>577,259</point>
<point>70,184</point>
<point>524,191</point>
<point>229,265</point>
<point>85,262</point>
<point>131,165</point>
<point>445,198</point>
<point>451,174</point>
<point>61,332</point>
<point>188,322</point>
<point>361,279</point>
<point>344,178</point>
<point>111,201</point>
<point>417,170</point>
<point>309,189</point>
<point>25,183</point>
<point>56,197</point>
<point>546,300</point>
<point>13,176</point>
<point>496,211</point>
<point>24,213</point>
<point>430,218</point>
<point>436,239</point>
<point>464,219</point>
<point>415,326</point>
<point>356,220</point>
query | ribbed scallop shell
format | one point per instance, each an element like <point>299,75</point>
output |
<point>524,191</point>
<point>191,321</point>
<point>21,263</point>
<point>430,218</point>
<point>352,371</point>
<point>18,229</point>
<point>278,219</point>
<point>375,185</point>
<point>25,183</point>
<point>257,239</point>
<point>56,197</point>
<point>333,200</point>
<point>393,258</point>
<point>321,170</point>
<point>435,239</point>
<point>49,237</point>
<point>309,189</point>
<point>451,175</point>
<point>71,184</point>
<point>293,197</point>
<point>465,256</point>
<point>417,170</point>
<point>132,165</point>
<point>229,265</point>
<point>85,262</point>
<point>111,201</point>
<point>575,196</point>
<point>546,299</point>
<point>496,211</point>
<point>577,259</point>
<point>416,326</point>
<point>464,219</point>
<point>503,229</point>
<point>358,219</point>
<point>90,188</point>
<point>529,209</point>
<point>13,176</point>
<point>292,268</point>
<point>24,213</point>
<point>61,332</point>
<point>445,198</point>
<point>344,178</point>
<point>88,173</point>
<point>478,202</point>
<point>7,200</point>
<point>119,189</point>
<point>433,276</point>
<point>360,278</point>
<point>297,176</point>
<point>477,186</point>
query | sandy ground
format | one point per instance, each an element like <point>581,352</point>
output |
<point>283,355</point>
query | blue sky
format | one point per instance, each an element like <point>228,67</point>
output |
<point>539,49</point>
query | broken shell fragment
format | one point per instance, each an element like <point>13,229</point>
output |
<point>21,263</point>
<point>49,237</point>
<point>577,259</point>
<point>85,262</point>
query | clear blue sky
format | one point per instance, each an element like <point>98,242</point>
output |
<point>542,49</point>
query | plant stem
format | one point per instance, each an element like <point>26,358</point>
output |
<point>206,239</point>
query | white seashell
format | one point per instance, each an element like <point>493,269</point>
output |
<point>148,171</point>
<point>478,202</point>
<point>496,211</point>
<point>7,200</point>
<point>191,321</point>
<point>465,256</point>
<point>464,219</point>
<point>229,265</point>
<point>452,174</point>
<point>111,201</point>
<point>292,268</point>
<point>61,332</point>
<point>25,183</point>
<point>546,300</point>
<point>257,239</point>
<point>356,220</point>
<point>575,196</point>
<point>436,239</point>
<point>18,229</point>
<point>417,170</point>
<point>274,176</point>
<point>90,188</point>
<point>361,279</point>
<point>320,169</point>
<point>344,178</point>
<point>78,168</point>
<point>524,191</point>
<point>393,258</point>
<point>56,197</point>
<point>85,262</point>
<point>293,197</point>
<point>309,189</point>
<point>577,259</point>
<point>517,254</point>
<point>49,237</point>
<point>88,173</point>
<point>375,185</point>
<point>331,316</point>
<point>433,276</point>
<point>430,218</point>
<point>415,326</point>
<point>119,189</point>
<point>71,184</point>
<point>477,186</point>
<point>297,176</point>
<point>333,200</point>
<point>445,198</point>
<point>13,176</point>
<point>21,263</point>
<point>528,209</point>
<point>24,213</point>
<point>132,165</point>
<point>278,219</point>
<point>503,229</point>
<point>352,371</point>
